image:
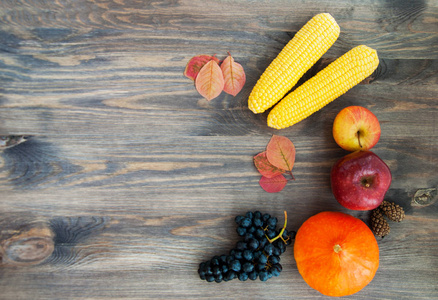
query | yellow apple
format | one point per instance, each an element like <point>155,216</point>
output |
<point>356,128</point>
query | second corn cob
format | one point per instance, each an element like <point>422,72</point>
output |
<point>330,83</point>
<point>298,56</point>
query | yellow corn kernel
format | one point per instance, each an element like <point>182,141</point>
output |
<point>296,58</point>
<point>330,83</point>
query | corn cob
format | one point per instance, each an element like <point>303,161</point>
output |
<point>298,56</point>
<point>330,83</point>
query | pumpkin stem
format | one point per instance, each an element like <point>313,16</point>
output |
<point>280,235</point>
<point>337,248</point>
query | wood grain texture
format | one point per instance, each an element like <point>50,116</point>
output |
<point>135,179</point>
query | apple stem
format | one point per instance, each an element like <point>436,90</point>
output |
<point>358,138</point>
<point>366,182</point>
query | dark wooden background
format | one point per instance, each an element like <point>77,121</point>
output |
<point>129,179</point>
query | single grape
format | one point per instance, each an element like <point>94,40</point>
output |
<point>271,234</point>
<point>247,267</point>
<point>215,261</point>
<point>263,259</point>
<point>288,236</point>
<point>274,259</point>
<point>224,268</point>
<point>248,255</point>
<point>243,276</point>
<point>253,275</point>
<point>208,271</point>
<point>245,222</point>
<point>280,245</point>
<point>216,270</point>
<point>241,231</point>
<point>258,222</point>
<point>263,275</point>
<point>269,248</point>
<point>253,244</point>
<point>259,233</point>
<point>202,267</point>
<point>257,254</point>
<point>230,275</point>
<point>241,245</point>
<point>260,267</point>
<point>235,265</point>
<point>263,242</point>
<point>251,229</point>
<point>238,219</point>
<point>276,251</point>
<point>292,235</point>
<point>276,270</point>
<point>272,222</point>
<point>237,254</point>
<point>248,236</point>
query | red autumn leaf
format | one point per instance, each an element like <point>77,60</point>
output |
<point>234,76</point>
<point>196,63</point>
<point>210,80</point>
<point>265,167</point>
<point>274,184</point>
<point>281,152</point>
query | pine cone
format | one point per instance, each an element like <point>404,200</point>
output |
<point>393,211</point>
<point>379,225</point>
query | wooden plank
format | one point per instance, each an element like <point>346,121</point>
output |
<point>130,256</point>
<point>53,24</point>
<point>74,162</point>
<point>129,179</point>
<point>226,115</point>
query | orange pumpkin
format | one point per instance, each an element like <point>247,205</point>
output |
<point>336,254</point>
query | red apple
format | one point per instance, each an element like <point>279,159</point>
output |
<point>356,128</point>
<point>360,180</point>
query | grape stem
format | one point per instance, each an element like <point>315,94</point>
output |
<point>280,235</point>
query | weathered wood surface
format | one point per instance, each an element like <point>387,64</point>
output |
<point>132,179</point>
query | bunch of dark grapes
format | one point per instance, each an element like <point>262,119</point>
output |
<point>256,255</point>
